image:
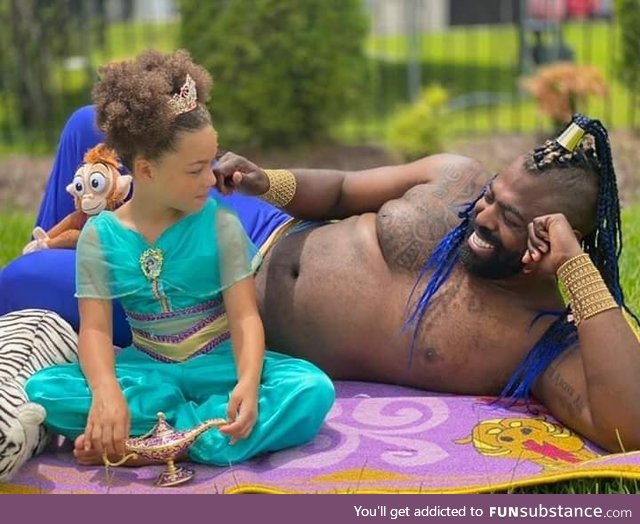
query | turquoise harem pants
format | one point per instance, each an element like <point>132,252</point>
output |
<point>294,398</point>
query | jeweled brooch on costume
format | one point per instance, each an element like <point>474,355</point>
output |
<point>151,263</point>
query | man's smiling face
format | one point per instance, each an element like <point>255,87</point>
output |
<point>496,238</point>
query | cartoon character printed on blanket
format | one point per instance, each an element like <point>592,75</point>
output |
<point>30,340</point>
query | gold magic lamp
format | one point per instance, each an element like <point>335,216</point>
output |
<point>165,444</point>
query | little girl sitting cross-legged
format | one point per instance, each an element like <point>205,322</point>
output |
<point>182,267</point>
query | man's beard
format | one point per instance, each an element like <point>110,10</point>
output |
<point>502,263</point>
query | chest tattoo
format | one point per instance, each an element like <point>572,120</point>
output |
<point>474,304</point>
<point>413,226</point>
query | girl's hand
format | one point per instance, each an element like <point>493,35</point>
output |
<point>242,411</point>
<point>552,241</point>
<point>108,423</point>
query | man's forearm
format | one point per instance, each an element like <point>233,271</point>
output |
<point>330,194</point>
<point>610,353</point>
<point>323,194</point>
<point>310,194</point>
<point>611,360</point>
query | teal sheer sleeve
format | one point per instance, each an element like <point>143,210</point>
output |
<point>92,270</point>
<point>238,257</point>
<point>107,260</point>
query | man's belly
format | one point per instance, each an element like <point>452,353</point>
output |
<point>318,294</point>
<point>328,296</point>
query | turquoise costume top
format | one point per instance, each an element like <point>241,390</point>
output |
<point>171,289</point>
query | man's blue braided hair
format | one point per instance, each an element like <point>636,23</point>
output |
<point>603,245</point>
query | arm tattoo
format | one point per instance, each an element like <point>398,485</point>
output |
<point>572,398</point>
<point>457,183</point>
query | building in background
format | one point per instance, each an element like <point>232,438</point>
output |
<point>140,10</point>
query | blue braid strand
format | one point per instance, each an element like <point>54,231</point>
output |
<point>442,261</point>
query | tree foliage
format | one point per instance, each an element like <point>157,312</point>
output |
<point>420,129</point>
<point>628,65</point>
<point>283,70</point>
<point>628,16</point>
<point>37,35</point>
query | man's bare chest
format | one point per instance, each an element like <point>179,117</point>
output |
<point>469,342</point>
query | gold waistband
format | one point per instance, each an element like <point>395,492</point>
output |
<point>276,235</point>
<point>171,349</point>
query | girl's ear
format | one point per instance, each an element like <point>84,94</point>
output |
<point>142,168</point>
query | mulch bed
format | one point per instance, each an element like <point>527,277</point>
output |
<point>23,178</point>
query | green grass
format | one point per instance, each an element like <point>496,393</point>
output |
<point>15,232</point>
<point>15,229</point>
<point>630,261</point>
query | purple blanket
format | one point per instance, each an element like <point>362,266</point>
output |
<point>377,439</point>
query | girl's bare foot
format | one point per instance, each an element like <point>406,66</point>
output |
<point>93,457</point>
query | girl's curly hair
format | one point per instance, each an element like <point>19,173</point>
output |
<point>131,99</point>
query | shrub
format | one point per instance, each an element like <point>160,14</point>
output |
<point>419,129</point>
<point>283,70</point>
<point>628,65</point>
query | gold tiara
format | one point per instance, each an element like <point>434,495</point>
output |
<point>187,99</point>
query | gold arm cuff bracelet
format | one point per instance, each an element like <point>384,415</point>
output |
<point>587,291</point>
<point>282,187</point>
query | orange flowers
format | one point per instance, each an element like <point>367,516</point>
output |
<point>561,87</point>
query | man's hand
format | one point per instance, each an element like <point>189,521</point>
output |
<point>552,241</point>
<point>108,423</point>
<point>234,172</point>
<point>242,411</point>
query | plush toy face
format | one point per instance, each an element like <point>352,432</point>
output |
<point>98,186</point>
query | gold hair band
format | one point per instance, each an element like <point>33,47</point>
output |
<point>587,291</point>
<point>282,187</point>
<point>571,137</point>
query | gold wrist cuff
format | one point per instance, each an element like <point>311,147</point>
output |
<point>282,187</point>
<point>587,291</point>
